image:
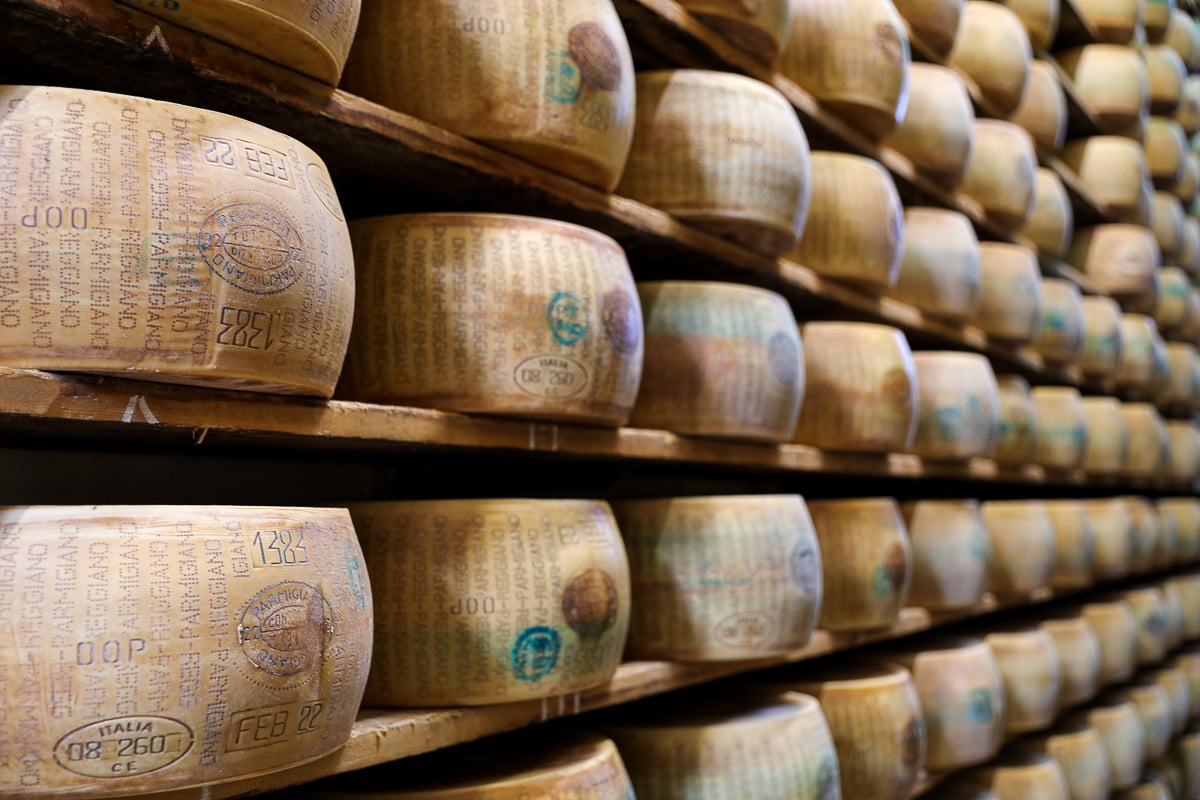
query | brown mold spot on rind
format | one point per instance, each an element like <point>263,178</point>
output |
<point>913,744</point>
<point>589,603</point>
<point>597,57</point>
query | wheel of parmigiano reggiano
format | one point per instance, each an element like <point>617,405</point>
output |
<point>1149,610</point>
<point>1183,450</point>
<point>1166,74</point>
<point>1112,529</point>
<point>1043,108</point>
<point>1148,790</point>
<point>855,227</point>
<point>1185,512</point>
<point>1018,421</point>
<point>1186,589</point>
<point>1166,220</point>
<point>1078,654</point>
<point>721,359</point>
<point>720,578</point>
<point>1157,18</point>
<point>935,22</point>
<point>1010,295</point>
<point>1188,257</point>
<point>559,766</point>
<point>1166,144</point>
<point>861,385</point>
<point>1101,335</point>
<point>495,314</point>
<point>1147,439</point>
<point>993,48</point>
<point>1032,676</point>
<point>1174,682</point>
<point>875,717</point>
<point>1002,171</point>
<point>1112,169</point>
<point>1189,663</point>
<point>1167,773</point>
<point>552,83</point>
<point>1181,36</point>
<point>1022,546</point>
<point>1040,18</point>
<point>722,152</point>
<point>1120,259</point>
<point>1145,533</point>
<point>1080,753</point>
<point>162,242</point>
<point>1116,630</point>
<point>1124,738</point>
<point>950,553</point>
<point>854,58</point>
<point>1180,385</point>
<point>1061,431</point>
<point>1173,288</point>
<point>759,29</point>
<point>538,589</point>
<point>1186,753</point>
<point>1186,189</point>
<point>1188,113</point>
<point>866,562</point>
<point>1143,353</point>
<point>1173,604</point>
<point>1051,223</point>
<point>962,700</point>
<point>1154,707</point>
<point>959,405</point>
<point>937,133</point>
<point>940,269</point>
<point>162,647</point>
<point>1060,331</point>
<point>1021,776</point>
<point>728,749</point>
<point>1114,20</point>
<point>1111,81</point>
<point>1074,544</point>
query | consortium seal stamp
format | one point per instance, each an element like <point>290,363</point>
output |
<point>252,246</point>
<point>535,654</point>
<point>285,629</point>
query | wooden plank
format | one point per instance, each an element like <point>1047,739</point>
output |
<point>1080,120</point>
<point>1087,210</point>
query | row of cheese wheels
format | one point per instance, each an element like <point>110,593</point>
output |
<point>866,728</point>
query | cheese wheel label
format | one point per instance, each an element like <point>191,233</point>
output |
<point>168,243</point>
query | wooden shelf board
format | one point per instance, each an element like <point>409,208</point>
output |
<point>1073,29</point>
<point>1087,210</point>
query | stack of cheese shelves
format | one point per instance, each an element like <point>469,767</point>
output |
<point>84,439</point>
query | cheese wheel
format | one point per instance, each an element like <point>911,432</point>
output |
<point>1181,36</point>
<point>940,269</point>
<point>1111,82</point>
<point>962,700</point>
<point>1051,223</point>
<point>1060,331</point>
<point>1188,257</point>
<point>1040,18</point>
<point>1186,753</point>
<point>1183,450</point>
<point>565,765</point>
<point>1145,534</point>
<point>494,314</point>
<point>1020,776</point>
<point>1174,612</point>
<point>163,647</point>
<point>1079,751</point>
<point>993,49</point>
<point>1113,20</point>
<point>1179,387</point>
<point>1061,432</point>
<point>1189,329</point>
<point>1112,170</point>
<point>1147,439</point>
<point>1009,304</point>
<point>1156,18</point>
<point>728,748</point>
<point>1185,513</point>
<point>950,550</point>
<point>759,29</point>
<point>934,22</point>
<point>1171,311</point>
<point>1032,674</point>
<point>1101,335</point>
<point>1119,259</point>
<point>1116,630</point>
<point>1188,113</point>
<point>1189,663</point>
<point>1146,301</point>
<point>1166,144</point>
<point>1074,544</point>
<point>1078,655</point>
<point>1186,189</point>
<point>855,228</point>
<point>1147,790</point>
<point>1167,773</point>
<point>866,562</point>
<point>230,265</point>
<point>854,58</point>
<point>1174,682</point>
<point>874,714</point>
<point>1154,708</point>
<point>959,405</point>
<point>937,133</point>
<point>1166,74</point>
<point>1149,611</point>
<point>313,41</point>
<point>538,588</point>
<point>1106,434</point>
<point>1112,530</point>
<point>1166,221</point>
<point>862,388</point>
<point>1018,421</point>
<point>1043,107</point>
<point>549,83</point>
<point>1001,172</point>
<point>720,578</point>
<point>722,152</point>
<point>721,359</point>
<point>1123,736</point>
<point>1022,546</point>
<point>1143,353</point>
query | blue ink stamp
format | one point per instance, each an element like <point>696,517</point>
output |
<point>355,572</point>
<point>535,654</point>
<point>567,318</point>
<point>979,706</point>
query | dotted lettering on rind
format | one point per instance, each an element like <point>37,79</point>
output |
<point>535,653</point>
<point>597,57</point>
<point>589,603</point>
<point>252,246</point>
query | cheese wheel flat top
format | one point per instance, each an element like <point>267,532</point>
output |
<point>759,29</point>
<point>1043,107</point>
<point>164,647</point>
<point>162,242</point>
<point>1018,421</point>
<point>1060,333</point>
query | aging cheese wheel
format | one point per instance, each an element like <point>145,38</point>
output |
<point>1188,257</point>
<point>1111,81</point>
<point>565,765</point>
<point>940,269</point>
<point>1148,790</point>
<point>1183,450</point>
<point>1157,18</point>
<point>1001,172</point>
<point>1061,431</point>
<point>1120,259</point>
<point>1174,613</point>
<point>1186,189</point>
<point>162,647</point>
<point>959,405</point>
<point>1018,421</point>
<point>1186,753</point>
<point>854,58</point>
<point>1043,108</point>
<point>495,314</point>
<point>1189,663</point>
<point>1060,331</point>
<point>1022,776</point>
<point>1179,387</point>
<point>1040,18</point>
<point>1143,353</point>
<point>866,562</point>
<point>313,38</point>
<point>1149,611</point>
<point>551,83</point>
<point>1114,20</point>
<point>1154,707</point>
<point>855,228</point>
<point>1166,74</point>
<point>1166,145</point>
<point>492,601</point>
<point>721,359</point>
<point>1074,544</point>
<point>875,717</point>
<point>1174,682</point>
<point>1116,629</point>
<point>1166,221</point>
<point>935,22</point>
<point>862,388</point>
<point>1188,113</point>
<point>1185,513</point>
<point>1124,738</point>
<point>1112,529</point>
<point>723,152</point>
<point>759,29</point>
<point>993,48</point>
<point>1101,335</point>
<point>1080,754</point>
<point>1032,674</point>
<point>1174,287</point>
<point>1078,655</point>
<point>1146,533</point>
<point>1147,439</point>
<point>1107,436</point>
<point>950,550</point>
<point>727,749</point>
<point>1022,546</point>
<point>1051,223</point>
<point>1010,295</point>
<point>1182,37</point>
<point>937,133</point>
<point>962,700</point>
<point>167,243</point>
<point>1167,773</point>
<point>720,578</point>
<point>1112,169</point>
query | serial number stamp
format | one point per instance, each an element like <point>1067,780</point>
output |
<point>124,747</point>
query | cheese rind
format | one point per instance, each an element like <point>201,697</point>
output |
<point>950,550</point>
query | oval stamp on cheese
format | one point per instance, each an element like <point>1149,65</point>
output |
<point>535,654</point>
<point>285,628</point>
<point>252,246</point>
<point>567,317</point>
<point>123,747</point>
